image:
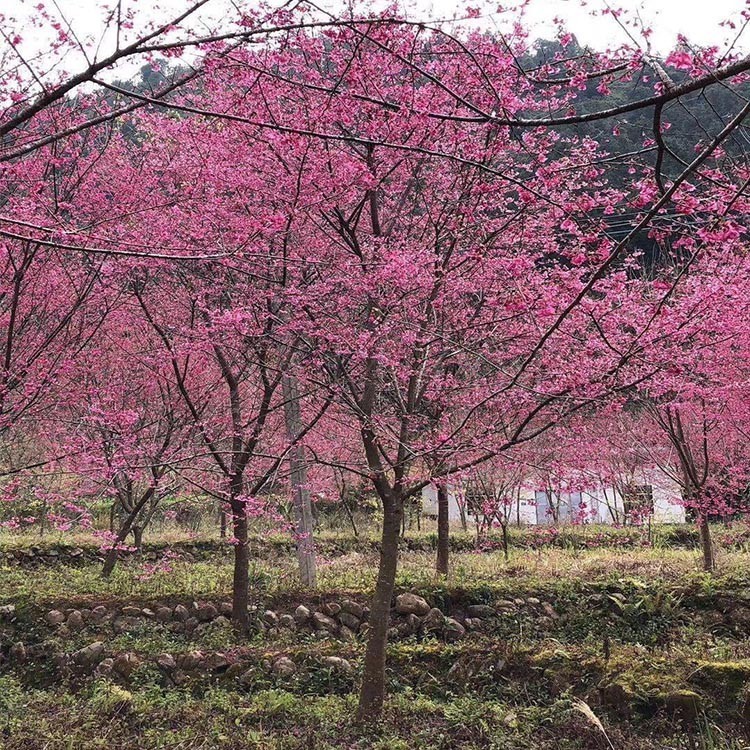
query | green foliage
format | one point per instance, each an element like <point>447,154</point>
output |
<point>109,699</point>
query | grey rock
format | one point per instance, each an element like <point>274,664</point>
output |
<point>270,618</point>
<point>126,664</point>
<point>337,664</point>
<point>482,611</point>
<point>216,662</point>
<point>352,608</point>
<point>131,611</point>
<point>411,604</point>
<point>89,655</point>
<point>166,662</point>
<point>17,653</point>
<point>104,668</point>
<point>123,624</point>
<point>287,621</point>
<point>323,622</point>
<point>302,614</point>
<point>181,612</point>
<point>75,621</point>
<point>433,621</point>
<point>163,614</point>
<point>190,624</point>
<point>347,634</point>
<point>225,608</point>
<point>190,661</point>
<point>98,613</point>
<point>54,617</point>
<point>349,620</point>
<point>453,630</point>
<point>284,667</point>
<point>331,609</point>
<point>7,611</point>
<point>205,612</point>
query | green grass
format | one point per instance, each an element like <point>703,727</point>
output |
<point>646,620</point>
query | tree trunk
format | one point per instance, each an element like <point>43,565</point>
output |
<point>125,528</point>
<point>462,513</point>
<point>138,537</point>
<point>372,692</point>
<point>113,553</point>
<point>222,523</point>
<point>350,515</point>
<point>303,516</point>
<point>506,544</point>
<point>709,563</point>
<point>240,579</point>
<point>443,539</point>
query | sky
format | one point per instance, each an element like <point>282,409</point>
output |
<point>698,20</point>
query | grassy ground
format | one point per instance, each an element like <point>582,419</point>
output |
<point>658,651</point>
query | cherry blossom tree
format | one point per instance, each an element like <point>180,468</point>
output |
<point>413,222</point>
<point>698,401</point>
<point>129,442</point>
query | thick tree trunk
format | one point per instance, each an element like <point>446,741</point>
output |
<point>303,516</point>
<point>372,692</point>
<point>709,563</point>
<point>443,539</point>
<point>240,579</point>
<point>110,560</point>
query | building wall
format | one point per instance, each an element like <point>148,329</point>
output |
<point>430,505</point>
<point>602,504</point>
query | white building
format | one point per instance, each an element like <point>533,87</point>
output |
<point>598,504</point>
